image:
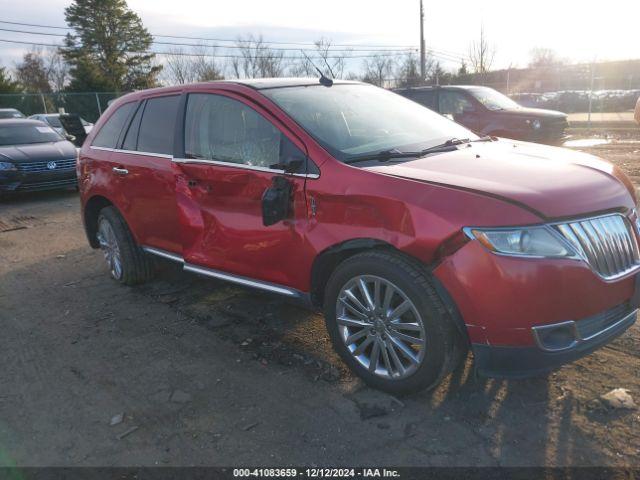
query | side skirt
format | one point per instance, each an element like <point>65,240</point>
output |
<point>297,295</point>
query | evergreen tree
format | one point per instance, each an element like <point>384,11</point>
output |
<point>109,50</point>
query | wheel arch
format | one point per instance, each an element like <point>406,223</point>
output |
<point>329,259</point>
<point>92,209</point>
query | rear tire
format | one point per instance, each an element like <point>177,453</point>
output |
<point>401,316</point>
<point>127,262</point>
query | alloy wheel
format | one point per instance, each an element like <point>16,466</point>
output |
<point>110,248</point>
<point>381,327</point>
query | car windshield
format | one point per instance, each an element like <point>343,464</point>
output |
<point>493,99</point>
<point>357,119</point>
<point>54,122</point>
<point>10,114</point>
<point>26,134</point>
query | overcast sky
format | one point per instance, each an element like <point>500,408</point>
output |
<point>571,27</point>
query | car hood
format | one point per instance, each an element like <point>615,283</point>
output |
<point>38,151</point>
<point>533,113</point>
<point>554,182</point>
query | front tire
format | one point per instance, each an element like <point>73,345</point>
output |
<point>127,262</point>
<point>388,324</point>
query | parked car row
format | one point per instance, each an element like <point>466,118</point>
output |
<point>416,237</point>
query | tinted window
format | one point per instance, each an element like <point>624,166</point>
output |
<point>25,134</point>
<point>131,138</point>
<point>157,125</point>
<point>492,99</point>
<point>54,122</point>
<point>10,114</point>
<point>454,103</point>
<point>223,129</point>
<point>110,131</point>
<point>424,97</point>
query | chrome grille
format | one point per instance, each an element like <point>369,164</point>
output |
<point>65,164</point>
<point>607,243</point>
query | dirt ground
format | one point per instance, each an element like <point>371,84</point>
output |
<point>204,373</point>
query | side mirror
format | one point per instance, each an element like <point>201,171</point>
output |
<point>276,201</point>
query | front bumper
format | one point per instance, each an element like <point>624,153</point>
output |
<point>504,301</point>
<point>550,134</point>
<point>520,362</point>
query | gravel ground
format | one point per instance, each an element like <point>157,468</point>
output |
<point>190,371</point>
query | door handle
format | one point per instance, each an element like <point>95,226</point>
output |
<point>120,171</point>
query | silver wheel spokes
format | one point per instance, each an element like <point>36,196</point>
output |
<point>380,326</point>
<point>109,245</point>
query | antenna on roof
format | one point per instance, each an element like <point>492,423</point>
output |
<point>329,67</point>
<point>324,80</point>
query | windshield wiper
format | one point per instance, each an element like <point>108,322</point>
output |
<point>383,156</point>
<point>386,155</point>
<point>486,138</point>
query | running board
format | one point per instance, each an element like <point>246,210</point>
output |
<point>229,277</point>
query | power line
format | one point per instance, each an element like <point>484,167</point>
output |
<point>220,46</point>
<point>217,39</point>
<point>438,53</point>
<point>196,54</point>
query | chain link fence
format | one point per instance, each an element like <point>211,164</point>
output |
<point>89,105</point>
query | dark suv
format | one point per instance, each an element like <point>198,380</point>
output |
<point>489,112</point>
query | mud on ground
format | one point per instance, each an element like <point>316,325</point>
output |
<point>205,373</point>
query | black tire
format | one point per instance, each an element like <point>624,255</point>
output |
<point>442,339</point>
<point>136,267</point>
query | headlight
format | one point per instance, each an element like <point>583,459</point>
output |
<point>6,166</point>
<point>524,242</point>
<point>536,124</point>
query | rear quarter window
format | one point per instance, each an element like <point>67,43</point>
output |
<point>157,126</point>
<point>108,135</point>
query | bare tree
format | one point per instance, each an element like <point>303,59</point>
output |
<point>57,69</point>
<point>177,68</point>
<point>330,62</point>
<point>481,53</point>
<point>198,65</point>
<point>205,64</point>
<point>377,70</point>
<point>42,71</point>
<point>31,73</point>
<point>544,57</point>
<point>257,59</point>
<point>408,70</point>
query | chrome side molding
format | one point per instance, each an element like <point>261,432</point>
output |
<point>229,277</point>
<point>163,254</point>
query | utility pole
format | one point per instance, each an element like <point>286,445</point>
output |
<point>422,52</point>
<point>591,94</point>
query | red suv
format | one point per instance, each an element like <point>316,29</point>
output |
<point>416,237</point>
